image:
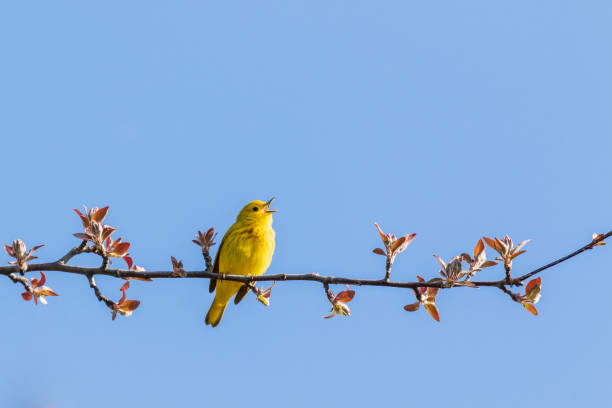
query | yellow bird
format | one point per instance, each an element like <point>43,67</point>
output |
<point>246,249</point>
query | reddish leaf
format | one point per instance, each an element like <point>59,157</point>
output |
<point>531,308</point>
<point>129,305</point>
<point>107,230</point>
<point>84,219</point>
<point>209,233</point>
<point>466,258</point>
<point>518,253</point>
<point>499,244</point>
<point>532,284</point>
<point>441,261</point>
<point>26,296</point>
<point>433,310</point>
<point>488,264</point>
<point>121,249</point>
<point>100,214</point>
<point>43,279</point>
<point>9,250</point>
<point>121,300</point>
<point>125,286</point>
<point>432,293</point>
<point>36,248</point>
<point>379,251</point>
<point>80,235</point>
<point>398,242</point>
<point>381,233</point>
<point>412,307</point>
<point>490,243</point>
<point>345,296</point>
<point>47,292</point>
<point>128,260</point>
<point>407,239</point>
<point>478,248</point>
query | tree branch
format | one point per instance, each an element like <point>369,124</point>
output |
<point>99,235</point>
<point>315,277</point>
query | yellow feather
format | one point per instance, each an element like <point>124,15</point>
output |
<point>246,249</point>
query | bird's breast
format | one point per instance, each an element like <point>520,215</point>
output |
<point>248,252</point>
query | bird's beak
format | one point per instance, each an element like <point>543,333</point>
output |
<point>267,206</point>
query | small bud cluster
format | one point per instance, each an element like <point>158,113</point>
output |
<point>393,245</point>
<point>506,250</point>
<point>339,302</point>
<point>124,307</point>
<point>205,241</point>
<point>263,295</point>
<point>38,290</point>
<point>426,296</point>
<point>19,251</point>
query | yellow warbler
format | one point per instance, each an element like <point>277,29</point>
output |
<point>246,249</point>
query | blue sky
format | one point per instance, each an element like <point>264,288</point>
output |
<point>452,119</point>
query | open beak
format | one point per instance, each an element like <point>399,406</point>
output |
<point>267,206</point>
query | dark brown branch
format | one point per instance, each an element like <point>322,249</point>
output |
<point>329,280</point>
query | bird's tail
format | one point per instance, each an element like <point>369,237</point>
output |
<point>225,291</point>
<point>215,313</point>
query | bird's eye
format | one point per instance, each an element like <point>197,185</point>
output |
<point>255,208</point>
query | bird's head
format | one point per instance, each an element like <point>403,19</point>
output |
<point>257,212</point>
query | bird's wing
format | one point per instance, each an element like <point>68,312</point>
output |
<point>242,292</point>
<point>213,282</point>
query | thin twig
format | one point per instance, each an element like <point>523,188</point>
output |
<point>23,280</point>
<point>73,252</point>
<point>507,291</point>
<point>565,258</point>
<point>328,292</point>
<point>508,270</point>
<point>388,266</point>
<point>92,284</point>
<point>207,258</point>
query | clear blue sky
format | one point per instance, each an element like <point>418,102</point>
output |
<point>451,119</point>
